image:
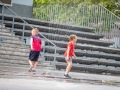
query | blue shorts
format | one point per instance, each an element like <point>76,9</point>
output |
<point>34,55</point>
<point>69,59</point>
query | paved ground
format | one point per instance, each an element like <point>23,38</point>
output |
<point>30,84</point>
<point>18,78</point>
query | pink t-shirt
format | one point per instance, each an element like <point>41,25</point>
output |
<point>36,43</point>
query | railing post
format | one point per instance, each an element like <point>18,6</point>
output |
<point>55,58</point>
<point>2,17</point>
<point>23,33</point>
<point>43,55</point>
<point>13,25</point>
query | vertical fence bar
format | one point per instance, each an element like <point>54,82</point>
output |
<point>82,15</point>
<point>3,8</point>
<point>96,13</point>
<point>99,19</point>
<point>108,26</point>
<point>111,36</point>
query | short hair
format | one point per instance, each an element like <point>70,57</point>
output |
<point>34,30</point>
<point>72,37</point>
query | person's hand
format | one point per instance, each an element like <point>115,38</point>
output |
<point>41,47</point>
<point>32,49</point>
<point>75,56</point>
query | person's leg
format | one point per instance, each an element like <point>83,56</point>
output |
<point>68,68</point>
<point>36,61</point>
<point>31,65</point>
<point>35,65</point>
<point>31,57</point>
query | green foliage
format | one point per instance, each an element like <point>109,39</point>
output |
<point>112,5</point>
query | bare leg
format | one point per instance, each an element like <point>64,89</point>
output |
<point>35,65</point>
<point>31,65</point>
<point>68,68</point>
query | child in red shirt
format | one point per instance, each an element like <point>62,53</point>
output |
<point>36,46</point>
<point>69,53</point>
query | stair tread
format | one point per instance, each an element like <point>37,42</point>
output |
<point>85,53</point>
<point>84,34</point>
<point>6,48</point>
<point>91,67</point>
<point>47,23</point>
<point>87,60</point>
<point>88,47</point>
<point>80,39</point>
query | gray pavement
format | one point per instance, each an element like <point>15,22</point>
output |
<point>30,84</point>
<point>18,78</point>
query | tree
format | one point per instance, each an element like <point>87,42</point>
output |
<point>112,5</point>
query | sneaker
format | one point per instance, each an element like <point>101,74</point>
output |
<point>33,71</point>
<point>66,75</point>
<point>30,69</point>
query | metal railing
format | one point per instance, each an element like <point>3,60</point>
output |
<point>25,23</point>
<point>105,22</point>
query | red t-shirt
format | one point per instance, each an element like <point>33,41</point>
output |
<point>71,52</point>
<point>36,43</point>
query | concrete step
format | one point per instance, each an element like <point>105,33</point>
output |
<point>84,60</point>
<point>12,42</point>
<point>48,24</point>
<point>15,65</point>
<point>4,60</point>
<point>13,61</point>
<point>13,45</point>
<point>85,47</point>
<point>20,62</point>
<point>59,37</point>
<point>15,53</point>
<point>81,53</point>
<point>80,40</point>
<point>9,37</point>
<point>6,33</point>
<point>90,68</point>
<point>13,57</point>
<point>6,30</point>
<point>53,30</point>
<point>20,65</point>
<point>4,48</point>
<point>99,48</point>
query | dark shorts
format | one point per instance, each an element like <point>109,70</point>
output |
<point>34,55</point>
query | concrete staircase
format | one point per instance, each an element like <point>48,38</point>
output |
<point>93,54</point>
<point>12,53</point>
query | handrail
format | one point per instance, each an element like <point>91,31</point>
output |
<point>26,22</point>
<point>109,11</point>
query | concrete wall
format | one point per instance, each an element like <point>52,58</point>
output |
<point>21,7</point>
<point>23,2</point>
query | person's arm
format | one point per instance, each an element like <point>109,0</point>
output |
<point>41,44</point>
<point>31,41</point>
<point>74,55</point>
<point>68,50</point>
